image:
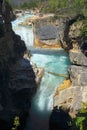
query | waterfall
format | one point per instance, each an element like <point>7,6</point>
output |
<point>26,33</point>
<point>42,102</point>
<point>55,61</point>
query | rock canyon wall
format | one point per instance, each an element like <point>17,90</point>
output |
<point>73,96</point>
<point>18,78</point>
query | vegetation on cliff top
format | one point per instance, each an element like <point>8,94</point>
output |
<point>84,29</point>
<point>54,5</point>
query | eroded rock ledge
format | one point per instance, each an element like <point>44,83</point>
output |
<point>72,97</point>
<point>51,31</point>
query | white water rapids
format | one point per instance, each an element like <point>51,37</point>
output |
<point>52,60</point>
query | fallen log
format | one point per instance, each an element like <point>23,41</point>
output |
<point>61,75</point>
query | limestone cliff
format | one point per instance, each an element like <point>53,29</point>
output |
<point>74,96</point>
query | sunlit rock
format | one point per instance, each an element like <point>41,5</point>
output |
<point>78,75</point>
<point>77,57</point>
<point>73,96</point>
<point>75,29</point>
<point>47,43</point>
<point>64,85</point>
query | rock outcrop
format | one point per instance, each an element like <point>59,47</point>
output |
<point>18,77</point>
<point>77,57</point>
<point>47,33</point>
<point>78,75</point>
<point>51,31</point>
<point>72,97</point>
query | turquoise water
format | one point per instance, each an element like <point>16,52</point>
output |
<point>56,61</point>
<point>42,104</point>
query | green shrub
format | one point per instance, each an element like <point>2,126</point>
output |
<point>84,29</point>
<point>29,5</point>
<point>80,122</point>
<point>53,5</point>
<point>16,123</point>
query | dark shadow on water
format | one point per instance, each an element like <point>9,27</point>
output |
<point>48,51</point>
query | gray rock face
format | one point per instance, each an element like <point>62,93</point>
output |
<point>22,82</point>
<point>17,77</point>
<point>77,57</point>
<point>22,75</point>
<point>69,98</point>
<point>47,32</point>
<point>72,98</point>
<point>78,75</point>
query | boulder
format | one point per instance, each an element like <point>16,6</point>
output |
<point>47,32</point>
<point>77,57</point>
<point>78,75</point>
<point>49,35</point>
<point>71,98</point>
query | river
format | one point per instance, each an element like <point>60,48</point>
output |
<point>52,60</point>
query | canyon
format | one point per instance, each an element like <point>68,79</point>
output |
<point>18,77</point>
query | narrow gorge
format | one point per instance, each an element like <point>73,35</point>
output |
<point>52,60</point>
<point>43,73</point>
